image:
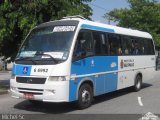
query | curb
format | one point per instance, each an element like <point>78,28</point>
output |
<point>4,71</point>
<point>3,92</point>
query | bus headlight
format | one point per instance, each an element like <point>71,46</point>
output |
<point>54,78</point>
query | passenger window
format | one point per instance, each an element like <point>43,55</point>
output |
<point>141,46</point>
<point>104,43</point>
<point>148,47</point>
<point>137,46</point>
<point>84,46</point>
<point>115,47</point>
<point>127,45</point>
<point>100,43</point>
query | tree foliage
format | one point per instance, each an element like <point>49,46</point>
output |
<point>142,15</point>
<point>18,17</point>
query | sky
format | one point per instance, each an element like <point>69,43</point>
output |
<point>100,7</point>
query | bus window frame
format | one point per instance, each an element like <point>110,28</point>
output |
<point>106,35</point>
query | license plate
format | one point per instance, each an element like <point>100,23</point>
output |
<point>28,96</point>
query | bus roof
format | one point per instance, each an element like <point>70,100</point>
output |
<point>87,24</point>
<point>111,28</point>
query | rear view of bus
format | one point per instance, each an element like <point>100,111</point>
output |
<point>75,59</point>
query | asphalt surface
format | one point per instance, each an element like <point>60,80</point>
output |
<point>120,102</point>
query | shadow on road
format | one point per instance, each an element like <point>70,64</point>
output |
<point>55,108</point>
<point>117,94</point>
<point>58,108</point>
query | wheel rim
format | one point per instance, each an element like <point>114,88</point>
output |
<point>138,83</point>
<point>86,97</point>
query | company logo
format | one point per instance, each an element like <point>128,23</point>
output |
<point>121,64</point>
<point>149,116</point>
<point>29,80</point>
<point>25,70</point>
<point>113,64</point>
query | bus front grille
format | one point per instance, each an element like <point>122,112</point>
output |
<point>30,80</point>
<point>31,91</point>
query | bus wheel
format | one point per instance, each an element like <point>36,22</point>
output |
<point>85,96</point>
<point>138,83</point>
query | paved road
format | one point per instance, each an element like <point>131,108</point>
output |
<point>120,102</point>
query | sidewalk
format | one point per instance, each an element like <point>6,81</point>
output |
<point>5,75</point>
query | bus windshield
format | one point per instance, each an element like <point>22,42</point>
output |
<point>54,41</point>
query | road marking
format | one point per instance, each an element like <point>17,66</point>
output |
<point>140,101</point>
<point>149,116</point>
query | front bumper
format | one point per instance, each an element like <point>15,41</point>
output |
<point>51,91</point>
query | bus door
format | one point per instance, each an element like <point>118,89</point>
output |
<point>106,81</point>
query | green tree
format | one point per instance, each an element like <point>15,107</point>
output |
<point>142,15</point>
<point>18,17</point>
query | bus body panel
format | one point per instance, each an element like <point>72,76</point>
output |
<point>62,69</point>
<point>108,74</point>
<point>102,70</point>
<point>52,91</point>
<point>48,92</point>
<point>130,66</point>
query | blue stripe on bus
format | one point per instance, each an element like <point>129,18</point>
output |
<point>21,70</point>
<point>103,83</point>
<point>85,26</point>
<point>100,64</point>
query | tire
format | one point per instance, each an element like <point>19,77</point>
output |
<point>138,83</point>
<point>34,102</point>
<point>85,96</point>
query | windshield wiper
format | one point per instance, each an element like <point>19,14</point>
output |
<point>26,58</point>
<point>42,54</point>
